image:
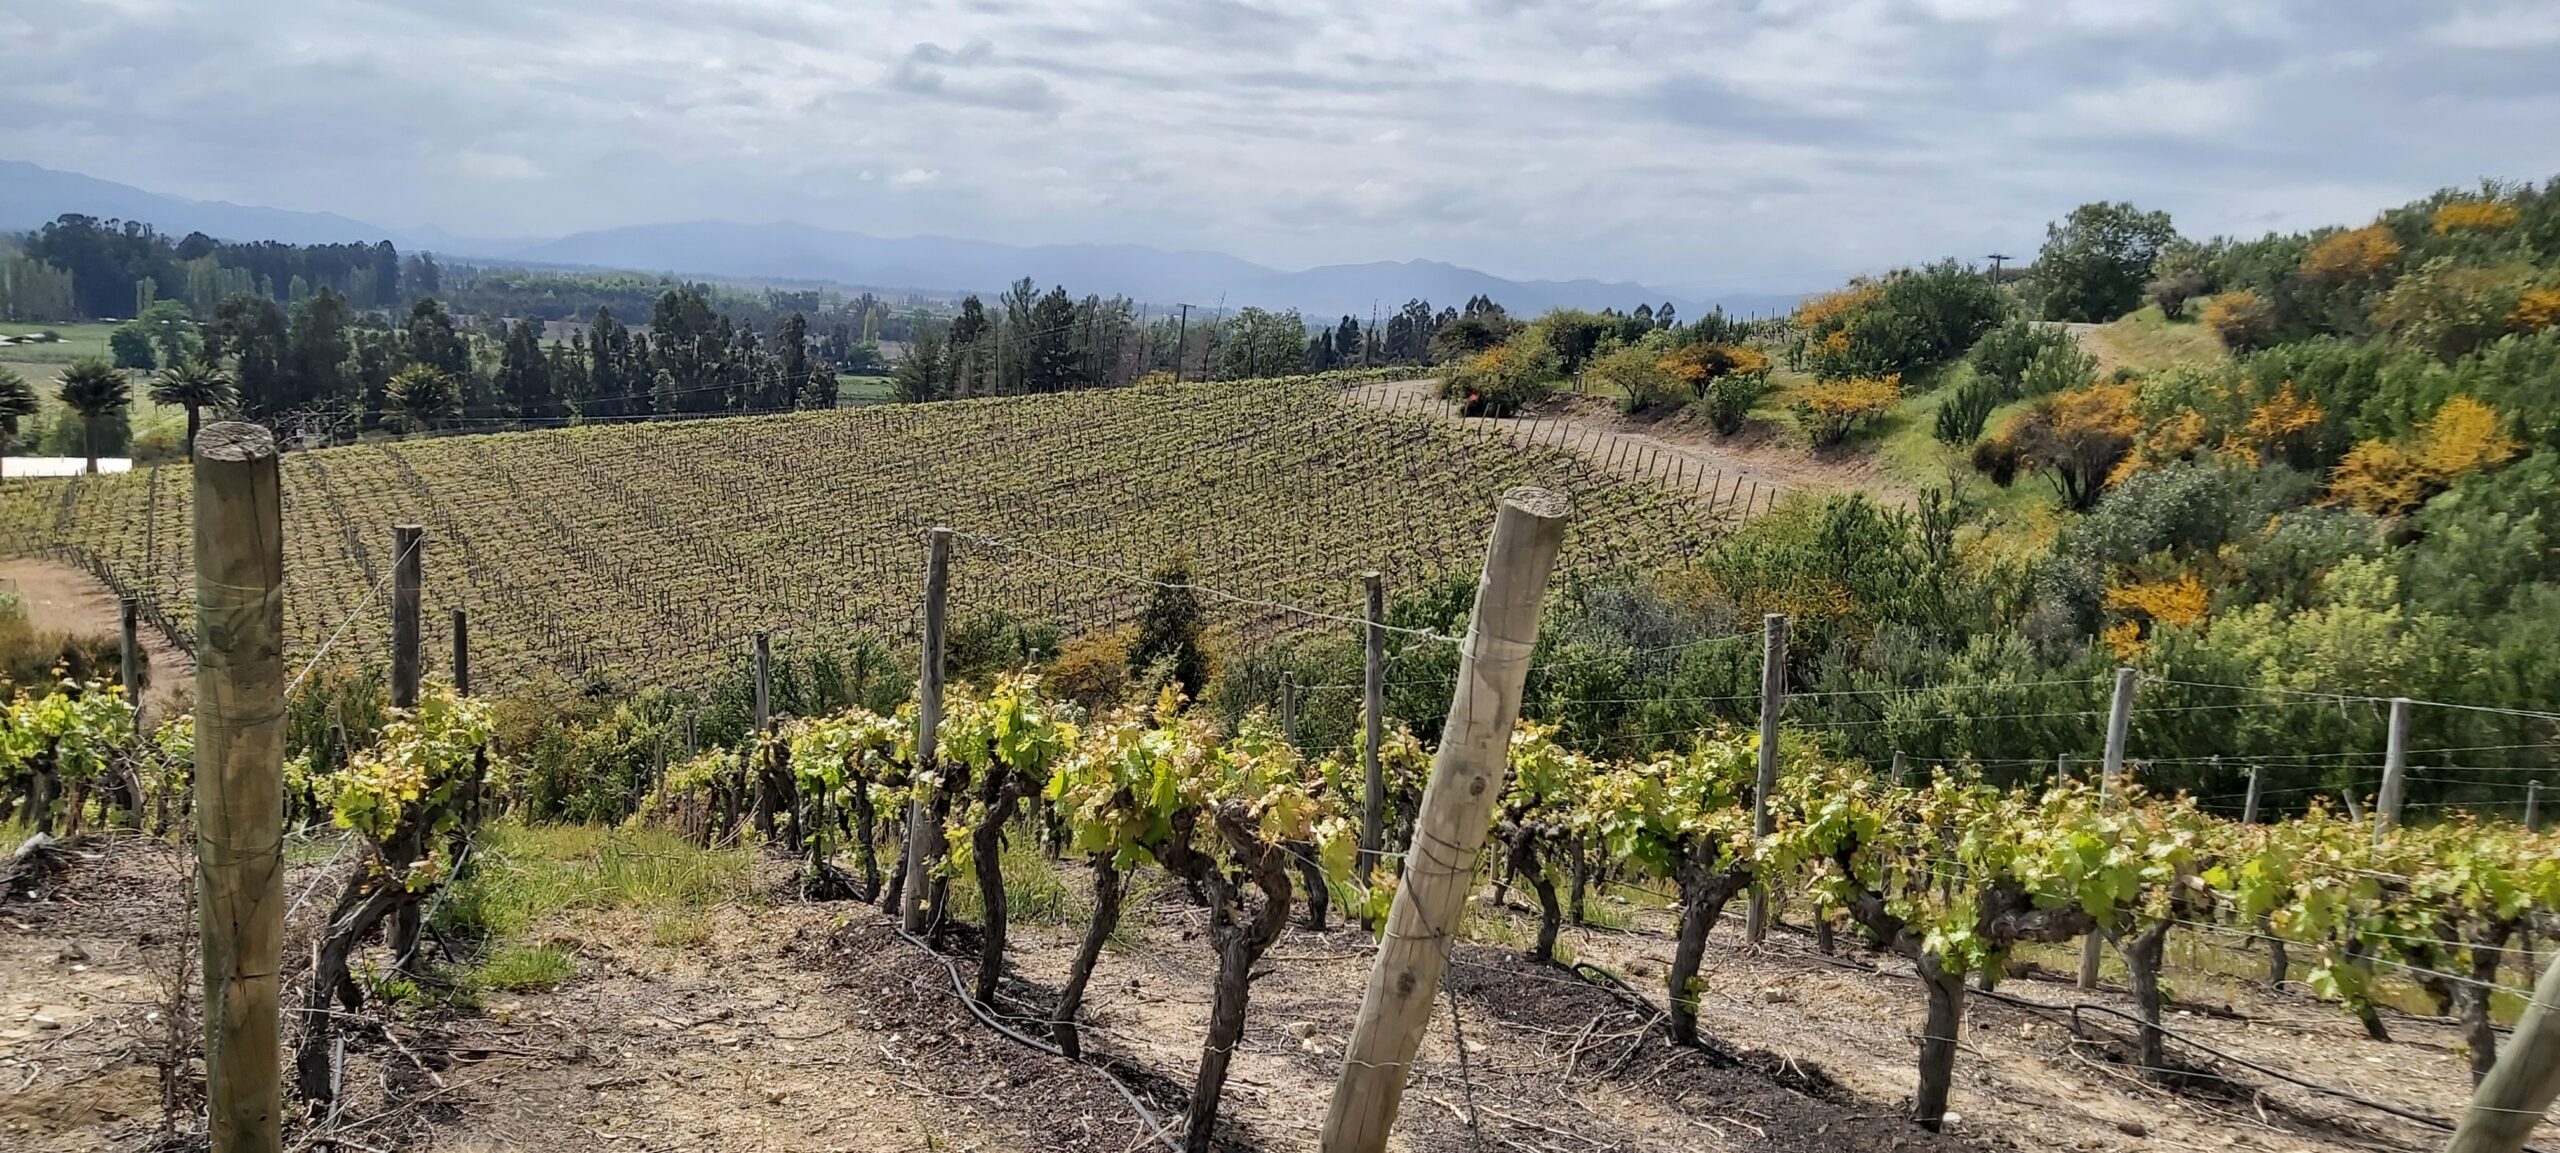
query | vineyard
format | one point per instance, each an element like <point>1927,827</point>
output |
<point>644,553</point>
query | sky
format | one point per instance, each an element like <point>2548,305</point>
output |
<point>1705,146</point>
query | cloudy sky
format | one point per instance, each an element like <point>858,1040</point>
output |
<point>1698,146</point>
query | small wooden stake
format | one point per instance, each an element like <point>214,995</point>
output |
<point>924,834</point>
<point>1773,697</point>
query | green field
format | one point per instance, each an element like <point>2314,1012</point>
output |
<point>42,365</point>
<point>645,553</point>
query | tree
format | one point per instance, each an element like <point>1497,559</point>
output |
<point>250,330</point>
<point>920,376</point>
<point>2094,263</point>
<point>524,377</point>
<point>317,350</point>
<point>1262,343</point>
<point>171,329</point>
<point>17,402</point>
<point>99,392</point>
<point>420,397</point>
<point>1169,628</point>
<point>195,384</point>
<point>131,348</point>
<point>432,339</point>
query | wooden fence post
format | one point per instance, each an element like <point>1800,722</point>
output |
<point>2512,1099</point>
<point>2119,726</point>
<point>1373,801</point>
<point>2249,806</point>
<point>1289,708</point>
<point>924,834</point>
<point>130,609</point>
<point>1449,832</point>
<point>407,585</point>
<point>240,683</point>
<point>2533,806</point>
<point>461,653</point>
<point>1898,771</point>
<point>1773,697</point>
<point>2395,771</point>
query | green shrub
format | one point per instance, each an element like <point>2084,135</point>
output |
<point>1731,398</point>
<point>2057,367</point>
<point>1966,410</point>
<point>2004,354</point>
<point>1500,381</point>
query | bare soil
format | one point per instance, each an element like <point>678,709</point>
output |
<point>1741,473</point>
<point>795,1026</point>
<point>62,598</point>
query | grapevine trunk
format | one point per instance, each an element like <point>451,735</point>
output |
<point>1106,919</point>
<point>1938,1038</point>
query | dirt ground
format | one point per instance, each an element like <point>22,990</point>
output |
<point>1737,472</point>
<point>62,598</point>
<point>798,1026</point>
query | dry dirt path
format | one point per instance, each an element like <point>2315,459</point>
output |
<point>791,1026</point>
<point>62,598</point>
<point>1735,476</point>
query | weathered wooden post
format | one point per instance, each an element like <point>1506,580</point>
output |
<point>2249,804</point>
<point>1373,710</point>
<point>239,550</point>
<point>924,833</point>
<point>2395,771</point>
<point>1898,770</point>
<point>1773,697</point>
<point>130,610</point>
<point>461,653</point>
<point>766,788</point>
<point>2533,806</point>
<point>1449,832</point>
<point>2119,725</point>
<point>2512,1099</point>
<point>1289,708</point>
<point>407,586</point>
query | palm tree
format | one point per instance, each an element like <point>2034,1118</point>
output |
<point>17,402</point>
<point>96,390</point>
<point>421,396</point>
<point>198,383</point>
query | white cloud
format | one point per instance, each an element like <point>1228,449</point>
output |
<point>1768,145</point>
<point>2516,27</point>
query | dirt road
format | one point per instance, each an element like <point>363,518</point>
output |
<point>61,598</point>
<point>1738,475</point>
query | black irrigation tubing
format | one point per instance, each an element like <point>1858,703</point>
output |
<point>2401,1112</point>
<point>985,1018</point>
<point>2072,1013</point>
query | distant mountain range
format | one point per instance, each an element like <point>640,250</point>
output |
<point>31,195</point>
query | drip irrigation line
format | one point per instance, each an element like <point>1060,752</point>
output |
<point>961,991</point>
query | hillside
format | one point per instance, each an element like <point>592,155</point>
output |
<point>646,553</point>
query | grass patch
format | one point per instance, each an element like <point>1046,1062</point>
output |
<point>1035,892</point>
<point>527,875</point>
<point>78,340</point>
<point>682,929</point>
<point>861,390</point>
<point>2146,341</point>
<point>523,969</point>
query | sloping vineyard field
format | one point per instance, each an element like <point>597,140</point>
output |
<point>634,554</point>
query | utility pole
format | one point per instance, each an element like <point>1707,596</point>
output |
<point>1181,340</point>
<point>1996,258</point>
<point>1773,697</point>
